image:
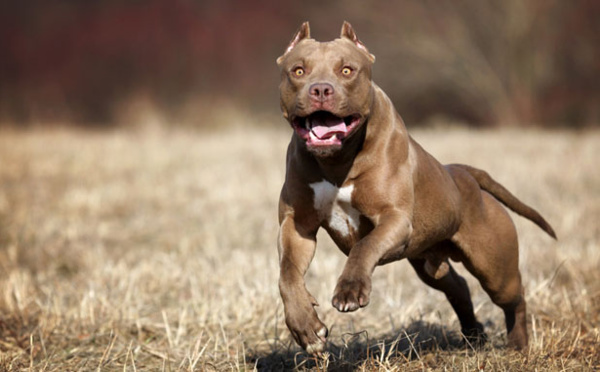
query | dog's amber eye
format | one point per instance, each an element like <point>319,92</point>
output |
<point>346,71</point>
<point>298,71</point>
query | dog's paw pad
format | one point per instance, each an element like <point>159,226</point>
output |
<point>350,294</point>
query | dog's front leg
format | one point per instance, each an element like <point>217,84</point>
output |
<point>391,234</point>
<point>296,251</point>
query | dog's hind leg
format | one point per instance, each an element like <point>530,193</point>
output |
<point>457,292</point>
<point>490,251</point>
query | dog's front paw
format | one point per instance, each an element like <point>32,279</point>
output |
<point>318,345</point>
<point>307,329</point>
<point>351,293</point>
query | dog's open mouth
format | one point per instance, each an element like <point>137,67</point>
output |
<point>322,128</point>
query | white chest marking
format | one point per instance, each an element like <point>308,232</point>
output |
<point>335,205</point>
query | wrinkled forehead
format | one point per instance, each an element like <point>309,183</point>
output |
<point>310,51</point>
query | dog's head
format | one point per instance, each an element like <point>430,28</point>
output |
<point>326,91</point>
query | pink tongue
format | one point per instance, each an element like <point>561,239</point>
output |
<point>328,127</point>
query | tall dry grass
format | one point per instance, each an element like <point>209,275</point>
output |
<point>156,251</point>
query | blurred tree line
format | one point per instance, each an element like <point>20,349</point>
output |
<point>484,63</point>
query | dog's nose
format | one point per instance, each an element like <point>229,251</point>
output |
<point>321,91</point>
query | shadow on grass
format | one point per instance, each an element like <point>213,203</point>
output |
<point>412,343</point>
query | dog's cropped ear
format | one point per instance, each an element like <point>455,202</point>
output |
<point>348,33</point>
<point>301,34</point>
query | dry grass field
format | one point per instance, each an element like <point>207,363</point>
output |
<point>155,250</point>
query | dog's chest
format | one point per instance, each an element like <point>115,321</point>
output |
<point>334,206</point>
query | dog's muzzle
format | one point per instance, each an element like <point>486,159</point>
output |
<point>322,128</point>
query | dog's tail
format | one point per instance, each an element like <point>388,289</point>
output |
<point>488,184</point>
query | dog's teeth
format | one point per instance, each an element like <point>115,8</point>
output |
<point>307,124</point>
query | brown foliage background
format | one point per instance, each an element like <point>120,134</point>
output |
<point>478,62</point>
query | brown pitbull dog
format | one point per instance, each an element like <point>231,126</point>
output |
<point>353,169</point>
